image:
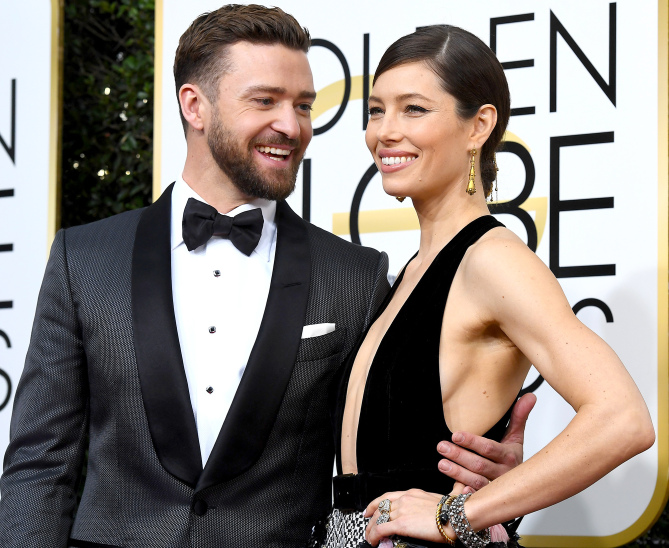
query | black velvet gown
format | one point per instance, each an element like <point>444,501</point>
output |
<point>402,417</point>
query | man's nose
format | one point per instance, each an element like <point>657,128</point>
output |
<point>286,122</point>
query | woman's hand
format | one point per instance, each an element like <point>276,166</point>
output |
<point>412,514</point>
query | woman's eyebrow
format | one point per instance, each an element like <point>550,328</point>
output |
<point>403,97</point>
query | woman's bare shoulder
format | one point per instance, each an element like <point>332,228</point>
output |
<point>497,251</point>
<point>499,269</point>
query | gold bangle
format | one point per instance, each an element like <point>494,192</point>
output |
<point>447,501</point>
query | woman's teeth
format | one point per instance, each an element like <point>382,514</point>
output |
<point>392,160</point>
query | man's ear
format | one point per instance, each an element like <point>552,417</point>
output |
<point>483,123</point>
<point>193,105</point>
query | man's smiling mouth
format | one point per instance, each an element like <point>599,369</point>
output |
<point>277,154</point>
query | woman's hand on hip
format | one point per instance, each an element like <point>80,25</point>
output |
<point>412,514</point>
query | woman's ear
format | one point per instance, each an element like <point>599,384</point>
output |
<point>193,105</point>
<point>483,123</point>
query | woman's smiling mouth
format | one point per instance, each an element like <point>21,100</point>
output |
<point>392,160</point>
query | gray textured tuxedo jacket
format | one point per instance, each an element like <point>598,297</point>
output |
<point>104,371</point>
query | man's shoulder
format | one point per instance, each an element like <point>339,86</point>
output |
<point>323,241</point>
<point>130,217</point>
<point>114,230</point>
<point>325,246</point>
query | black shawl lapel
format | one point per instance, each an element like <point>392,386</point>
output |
<point>256,404</point>
<point>161,371</point>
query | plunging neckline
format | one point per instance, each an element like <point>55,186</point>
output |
<point>384,305</point>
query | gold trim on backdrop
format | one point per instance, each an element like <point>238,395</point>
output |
<point>157,99</point>
<point>377,220</point>
<point>404,218</point>
<point>331,95</point>
<point>56,120</point>
<point>660,495</point>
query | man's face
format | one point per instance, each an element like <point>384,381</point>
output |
<point>260,124</point>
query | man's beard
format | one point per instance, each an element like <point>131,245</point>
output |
<point>239,166</point>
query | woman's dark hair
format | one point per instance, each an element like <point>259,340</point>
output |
<point>467,69</point>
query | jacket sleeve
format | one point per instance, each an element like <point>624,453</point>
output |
<point>49,425</point>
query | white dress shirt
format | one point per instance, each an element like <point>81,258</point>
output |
<point>219,299</point>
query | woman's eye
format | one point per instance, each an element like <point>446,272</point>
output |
<point>374,111</point>
<point>416,109</point>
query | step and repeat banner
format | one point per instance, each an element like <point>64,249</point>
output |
<point>29,137</point>
<point>582,179</point>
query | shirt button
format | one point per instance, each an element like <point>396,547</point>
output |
<point>212,329</point>
<point>217,273</point>
<point>209,390</point>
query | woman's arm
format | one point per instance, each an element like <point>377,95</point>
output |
<point>509,285</point>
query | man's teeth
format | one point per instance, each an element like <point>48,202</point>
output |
<point>392,160</point>
<point>272,150</point>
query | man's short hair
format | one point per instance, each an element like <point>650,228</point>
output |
<point>201,57</point>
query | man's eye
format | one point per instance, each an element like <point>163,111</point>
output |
<point>307,107</point>
<point>265,101</point>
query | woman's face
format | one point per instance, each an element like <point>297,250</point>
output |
<point>418,142</point>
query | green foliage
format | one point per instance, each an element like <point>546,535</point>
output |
<point>107,108</point>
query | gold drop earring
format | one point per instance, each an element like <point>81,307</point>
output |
<point>494,163</point>
<point>471,186</point>
<point>400,199</point>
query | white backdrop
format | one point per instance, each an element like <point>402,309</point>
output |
<point>588,166</point>
<point>29,90</point>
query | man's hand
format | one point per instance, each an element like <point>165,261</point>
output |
<point>493,459</point>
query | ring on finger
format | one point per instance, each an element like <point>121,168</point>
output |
<point>384,506</point>
<point>384,517</point>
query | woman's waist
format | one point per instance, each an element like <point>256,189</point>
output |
<point>356,491</point>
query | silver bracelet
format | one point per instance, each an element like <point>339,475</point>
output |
<point>463,529</point>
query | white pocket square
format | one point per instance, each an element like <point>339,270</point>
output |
<point>317,329</point>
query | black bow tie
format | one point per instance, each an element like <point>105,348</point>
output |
<point>201,222</point>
